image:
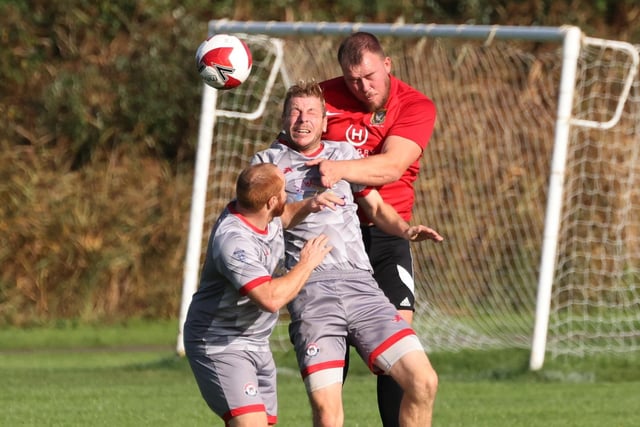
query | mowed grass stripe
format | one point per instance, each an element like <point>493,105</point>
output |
<point>131,380</point>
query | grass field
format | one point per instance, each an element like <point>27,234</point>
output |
<point>128,375</point>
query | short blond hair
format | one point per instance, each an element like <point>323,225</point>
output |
<point>303,89</point>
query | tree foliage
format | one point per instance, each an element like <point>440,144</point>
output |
<point>100,102</point>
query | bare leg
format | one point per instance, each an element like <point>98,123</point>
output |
<point>419,382</point>
<point>326,404</point>
<point>253,419</point>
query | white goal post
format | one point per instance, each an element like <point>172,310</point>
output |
<point>532,175</point>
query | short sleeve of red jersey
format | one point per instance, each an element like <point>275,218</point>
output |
<point>362,193</point>
<point>416,117</point>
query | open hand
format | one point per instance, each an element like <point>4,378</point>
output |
<point>326,199</point>
<point>315,249</point>
<point>418,233</point>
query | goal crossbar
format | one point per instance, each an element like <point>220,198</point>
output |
<point>571,40</point>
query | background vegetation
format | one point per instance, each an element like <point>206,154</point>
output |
<point>99,108</point>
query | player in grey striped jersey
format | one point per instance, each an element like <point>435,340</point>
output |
<point>234,310</point>
<point>341,303</point>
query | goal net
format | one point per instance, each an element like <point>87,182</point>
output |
<point>531,175</point>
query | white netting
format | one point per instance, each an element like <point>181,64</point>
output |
<point>596,295</point>
<point>484,184</point>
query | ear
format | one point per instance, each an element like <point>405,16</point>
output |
<point>272,202</point>
<point>324,124</point>
<point>387,64</point>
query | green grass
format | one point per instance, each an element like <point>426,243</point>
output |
<point>128,375</point>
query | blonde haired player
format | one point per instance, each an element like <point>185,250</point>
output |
<point>341,304</point>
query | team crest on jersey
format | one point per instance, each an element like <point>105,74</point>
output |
<point>312,349</point>
<point>250,389</point>
<point>240,255</point>
<point>377,118</point>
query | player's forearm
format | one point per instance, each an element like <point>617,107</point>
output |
<point>373,170</point>
<point>295,212</point>
<point>284,289</point>
<point>389,221</point>
<point>395,228</point>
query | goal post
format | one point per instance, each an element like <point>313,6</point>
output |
<point>572,46</point>
<point>533,161</point>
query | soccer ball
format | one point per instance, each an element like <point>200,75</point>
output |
<point>223,61</point>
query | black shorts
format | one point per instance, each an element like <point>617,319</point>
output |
<point>392,264</point>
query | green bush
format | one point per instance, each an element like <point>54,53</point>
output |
<point>100,104</point>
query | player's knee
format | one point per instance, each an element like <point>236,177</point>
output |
<point>423,383</point>
<point>429,385</point>
<point>324,416</point>
<point>326,404</point>
<point>326,419</point>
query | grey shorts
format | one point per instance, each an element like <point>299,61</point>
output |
<point>346,308</point>
<point>237,382</point>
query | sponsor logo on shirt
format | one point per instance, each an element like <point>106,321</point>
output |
<point>356,135</point>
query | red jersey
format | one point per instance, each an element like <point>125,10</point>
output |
<point>407,113</point>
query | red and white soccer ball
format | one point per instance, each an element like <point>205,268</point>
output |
<point>223,61</point>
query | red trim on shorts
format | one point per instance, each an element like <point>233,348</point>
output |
<point>386,345</point>
<point>253,284</point>
<point>272,420</point>
<point>243,410</point>
<point>321,367</point>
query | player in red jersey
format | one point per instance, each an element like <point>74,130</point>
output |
<point>390,123</point>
